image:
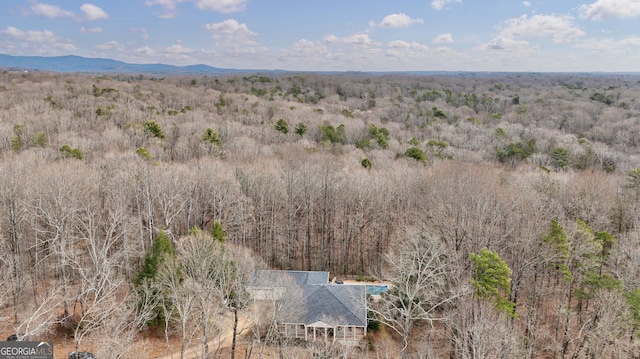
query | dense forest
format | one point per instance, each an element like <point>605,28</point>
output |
<point>520,189</point>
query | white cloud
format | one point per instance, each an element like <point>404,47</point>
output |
<point>42,42</point>
<point>30,36</point>
<point>443,39</point>
<point>356,39</point>
<point>526,3</point>
<point>440,4</point>
<point>178,49</point>
<point>304,50</point>
<point>146,51</point>
<point>501,43</point>
<point>610,45</point>
<point>91,29</point>
<point>331,39</point>
<point>167,4</point>
<point>230,28</point>
<point>110,46</point>
<point>93,12</point>
<point>561,28</point>
<point>309,47</point>
<point>399,44</point>
<point>408,54</point>
<point>399,20</point>
<point>237,38</point>
<point>50,11</point>
<point>610,9</point>
<point>224,6</point>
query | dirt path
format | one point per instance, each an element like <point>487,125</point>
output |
<point>223,341</point>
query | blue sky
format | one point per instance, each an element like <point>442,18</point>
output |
<point>333,35</point>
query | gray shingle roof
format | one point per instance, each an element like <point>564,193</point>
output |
<point>337,304</point>
<point>303,278</point>
<point>334,304</point>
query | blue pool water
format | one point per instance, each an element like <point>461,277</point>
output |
<point>376,289</point>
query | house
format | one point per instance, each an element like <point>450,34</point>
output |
<point>312,307</point>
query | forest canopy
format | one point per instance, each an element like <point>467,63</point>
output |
<point>330,172</point>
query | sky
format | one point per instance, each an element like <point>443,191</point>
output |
<point>334,35</point>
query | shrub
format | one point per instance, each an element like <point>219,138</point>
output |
<point>438,113</point>
<point>154,129</point>
<point>381,135</point>
<point>282,126</point>
<point>500,134</point>
<point>142,152</point>
<point>519,150</point>
<point>331,134</point>
<point>600,97</point>
<point>416,153</point>
<point>431,95</point>
<point>40,140</point>
<point>16,141</point>
<point>373,325</point>
<point>364,143</point>
<point>217,232</point>
<point>300,129</point>
<point>66,152</point>
<point>258,92</point>
<point>222,102</point>
<point>437,144</point>
<point>210,136</point>
<point>560,158</point>
<point>16,145</point>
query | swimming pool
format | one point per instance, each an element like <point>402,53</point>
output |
<point>376,289</point>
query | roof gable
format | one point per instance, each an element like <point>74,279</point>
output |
<point>337,304</point>
<point>315,300</point>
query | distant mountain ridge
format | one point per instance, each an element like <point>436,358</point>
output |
<point>72,63</point>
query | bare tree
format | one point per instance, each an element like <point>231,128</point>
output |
<point>179,304</point>
<point>40,319</point>
<point>116,336</point>
<point>14,209</point>
<point>99,300</point>
<point>482,332</point>
<point>100,290</point>
<point>57,198</point>
<point>235,280</point>
<point>420,276</point>
<point>200,258</point>
<point>270,309</point>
